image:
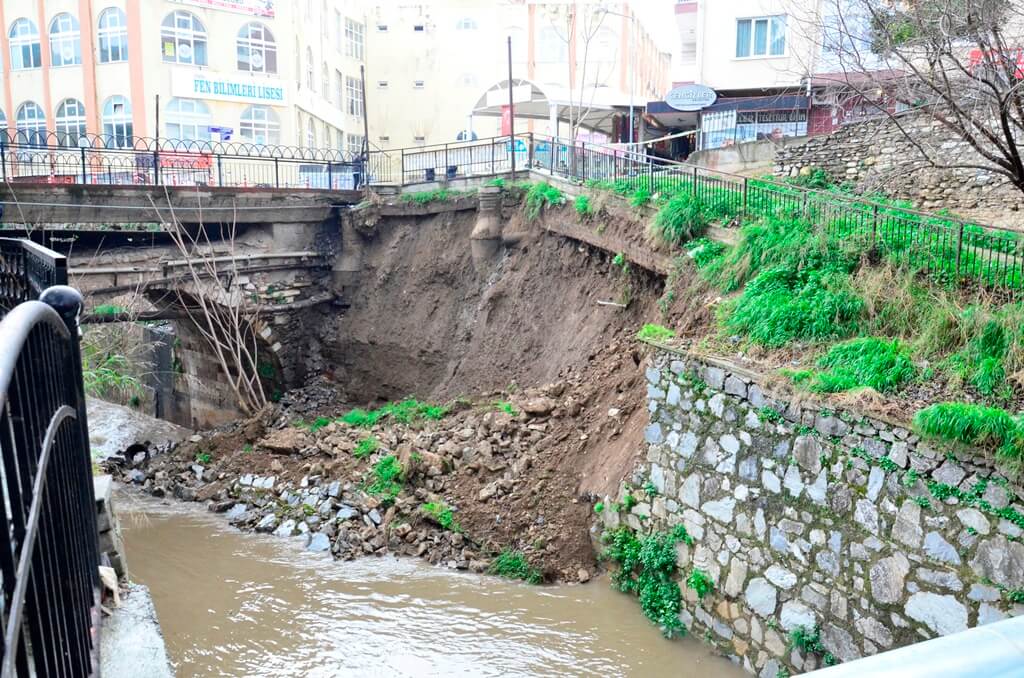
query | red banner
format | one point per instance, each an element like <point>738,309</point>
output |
<point>506,120</point>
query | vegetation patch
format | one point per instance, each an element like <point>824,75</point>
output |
<point>700,582</point>
<point>989,428</point>
<point>865,362</point>
<point>436,195</point>
<point>808,641</point>
<point>540,195</point>
<point>441,514</point>
<point>107,374</point>
<point>651,332</point>
<point>514,565</point>
<point>506,407</point>
<point>407,411</point>
<point>387,479</point>
<point>365,447</point>
<point>584,206</point>
<point>648,568</point>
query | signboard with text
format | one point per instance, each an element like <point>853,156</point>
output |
<point>263,8</point>
<point>212,86</point>
<point>691,97</point>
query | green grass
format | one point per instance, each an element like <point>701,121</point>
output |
<point>109,309</point>
<point>405,412</point>
<point>497,181</point>
<point>540,195</point>
<point>436,195</point>
<point>442,514</point>
<point>583,206</point>
<point>203,457</point>
<point>869,361</point>
<point>387,479</point>
<point>514,565</point>
<point>782,305</point>
<point>640,197</point>
<point>680,219</point>
<point>808,641</point>
<point>506,407</point>
<point>990,428</point>
<point>318,423</point>
<point>652,332</point>
<point>365,447</point>
<point>647,567</point>
<point>700,582</point>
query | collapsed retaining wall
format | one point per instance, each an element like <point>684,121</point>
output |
<point>806,517</point>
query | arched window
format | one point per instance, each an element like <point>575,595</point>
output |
<point>257,51</point>
<point>65,41</point>
<point>552,47</point>
<point>117,122</point>
<point>325,81</point>
<point>187,119</point>
<point>25,50</point>
<point>70,122</point>
<point>310,78</point>
<point>183,39</point>
<point>113,34</point>
<point>466,24</point>
<point>31,124</point>
<point>260,125</point>
<point>298,64</point>
<point>310,134</point>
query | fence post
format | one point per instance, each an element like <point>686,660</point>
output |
<point>492,158</point>
<point>745,189</point>
<point>277,173</point>
<point>446,161</point>
<point>3,153</point>
<point>220,172</point>
<point>85,179</point>
<point>330,176</point>
<point>959,249</point>
<point>694,181</point>
<point>529,158</point>
<point>874,225</point>
<point>156,166</point>
<point>650,176</point>
<point>583,161</point>
<point>401,180</point>
<point>551,158</point>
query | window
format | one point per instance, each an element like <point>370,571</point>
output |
<point>25,49</point>
<point>419,140</point>
<point>384,139</point>
<point>418,84</point>
<point>764,36</point>
<point>310,134</point>
<point>187,119</point>
<point>466,24</point>
<point>382,84</point>
<point>183,39</point>
<point>113,35</point>
<point>65,41</point>
<point>298,65</point>
<point>339,90</point>
<point>339,31</point>
<point>353,39</point>
<point>117,122</point>
<point>310,75</point>
<point>354,96</point>
<point>257,51</point>
<point>382,28</point>
<point>324,26</point>
<point>552,47</point>
<point>355,144</point>
<point>260,125</point>
<point>419,28</point>
<point>69,122</point>
<point>31,124</point>
<point>325,82</point>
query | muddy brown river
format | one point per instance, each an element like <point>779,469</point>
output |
<point>234,604</point>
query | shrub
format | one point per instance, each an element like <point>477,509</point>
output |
<point>365,447</point>
<point>700,582</point>
<point>781,305</point>
<point>651,332</point>
<point>540,195</point>
<point>437,195</point>
<point>647,567</point>
<point>641,196</point>
<point>387,479</point>
<point>703,251</point>
<point>318,423</point>
<point>986,427</point>
<point>583,206</point>
<point>869,361</point>
<point>513,565</point>
<point>405,412</point>
<point>497,181</point>
<point>808,641</point>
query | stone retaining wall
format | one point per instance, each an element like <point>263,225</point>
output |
<point>806,517</point>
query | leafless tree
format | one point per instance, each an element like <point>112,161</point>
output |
<point>216,305</point>
<point>585,24</point>
<point>958,63</point>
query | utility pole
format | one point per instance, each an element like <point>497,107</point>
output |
<point>511,110</point>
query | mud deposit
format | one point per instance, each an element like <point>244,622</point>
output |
<point>234,604</point>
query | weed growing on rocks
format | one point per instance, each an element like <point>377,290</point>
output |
<point>438,195</point>
<point>506,407</point>
<point>808,641</point>
<point>700,582</point>
<point>977,425</point>
<point>513,565</point>
<point>648,567</point>
<point>680,219</point>
<point>441,514</point>
<point>365,447</point>
<point>387,479</point>
<point>583,206</point>
<point>405,412</point>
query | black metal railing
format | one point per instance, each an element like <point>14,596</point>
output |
<point>49,561</point>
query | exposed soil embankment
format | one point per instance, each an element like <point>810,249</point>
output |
<point>424,321</point>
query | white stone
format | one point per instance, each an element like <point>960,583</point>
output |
<point>793,482</point>
<point>941,614</point>
<point>781,577</point>
<point>721,510</point>
<point>688,445</point>
<point>866,515</point>
<point>938,548</point>
<point>689,493</point>
<point>974,519</point>
<point>875,481</point>
<point>818,490</point>
<point>729,443</point>
<point>795,614</point>
<point>771,482</point>
<point>761,597</point>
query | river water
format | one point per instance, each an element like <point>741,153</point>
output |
<point>234,604</point>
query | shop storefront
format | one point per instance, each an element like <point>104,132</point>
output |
<point>735,121</point>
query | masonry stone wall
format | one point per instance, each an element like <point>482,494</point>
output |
<point>875,155</point>
<point>812,518</point>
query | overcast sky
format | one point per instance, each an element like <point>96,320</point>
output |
<point>659,17</point>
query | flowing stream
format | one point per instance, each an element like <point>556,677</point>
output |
<point>234,604</point>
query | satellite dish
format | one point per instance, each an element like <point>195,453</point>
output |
<point>466,135</point>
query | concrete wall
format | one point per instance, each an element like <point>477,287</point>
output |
<point>876,155</point>
<point>819,518</point>
<point>752,158</point>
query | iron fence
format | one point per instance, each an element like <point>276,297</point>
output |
<point>49,559</point>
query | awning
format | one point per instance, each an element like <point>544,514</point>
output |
<point>779,102</point>
<point>599,104</point>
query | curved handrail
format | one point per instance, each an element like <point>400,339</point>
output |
<point>14,332</point>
